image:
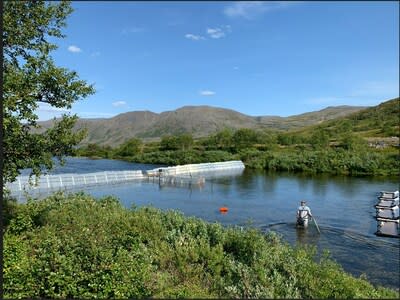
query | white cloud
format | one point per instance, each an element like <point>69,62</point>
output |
<point>218,32</point>
<point>207,93</point>
<point>215,33</point>
<point>252,9</point>
<point>74,49</point>
<point>194,37</point>
<point>119,103</point>
<point>236,68</point>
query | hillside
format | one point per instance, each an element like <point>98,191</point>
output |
<point>310,118</point>
<point>200,121</point>
<point>380,122</point>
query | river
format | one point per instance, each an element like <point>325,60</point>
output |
<point>343,207</point>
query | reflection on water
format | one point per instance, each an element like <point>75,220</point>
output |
<point>343,207</point>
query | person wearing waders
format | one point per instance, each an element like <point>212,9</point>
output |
<point>303,214</point>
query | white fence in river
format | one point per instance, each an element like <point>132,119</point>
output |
<point>198,168</point>
<point>167,174</point>
<point>61,181</point>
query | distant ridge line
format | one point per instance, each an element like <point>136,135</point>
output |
<point>199,121</point>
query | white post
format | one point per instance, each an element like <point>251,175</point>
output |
<point>73,180</point>
<point>105,174</point>
<point>48,181</point>
<point>84,179</point>
<point>95,178</point>
<point>19,184</point>
<point>61,184</point>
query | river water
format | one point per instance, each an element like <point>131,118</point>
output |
<point>342,206</point>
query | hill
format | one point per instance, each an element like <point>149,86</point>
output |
<point>199,121</point>
<point>380,122</point>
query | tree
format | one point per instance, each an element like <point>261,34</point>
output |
<point>244,138</point>
<point>130,147</point>
<point>285,139</point>
<point>223,139</point>
<point>169,142</point>
<point>185,141</point>
<point>31,78</point>
<point>320,139</point>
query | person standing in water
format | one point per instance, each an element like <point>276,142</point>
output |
<point>303,214</point>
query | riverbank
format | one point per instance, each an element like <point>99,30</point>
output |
<point>366,162</point>
<point>75,246</point>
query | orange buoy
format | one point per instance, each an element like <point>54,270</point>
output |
<point>223,209</point>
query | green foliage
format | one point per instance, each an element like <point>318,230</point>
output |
<point>268,139</point>
<point>390,128</point>
<point>253,158</point>
<point>130,147</point>
<point>76,247</point>
<point>334,161</point>
<point>94,150</point>
<point>185,141</point>
<point>181,157</point>
<point>31,78</point>
<point>349,154</point>
<point>180,142</point>
<point>216,156</point>
<point>319,139</point>
<point>288,138</point>
<point>380,120</point>
<point>244,138</point>
<point>222,140</point>
<point>353,142</point>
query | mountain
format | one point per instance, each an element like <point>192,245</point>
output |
<point>198,120</point>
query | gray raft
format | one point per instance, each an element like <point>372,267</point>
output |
<point>387,214</point>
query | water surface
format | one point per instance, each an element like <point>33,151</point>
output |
<point>343,207</point>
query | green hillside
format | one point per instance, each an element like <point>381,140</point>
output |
<point>379,121</point>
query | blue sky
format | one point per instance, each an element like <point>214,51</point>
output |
<point>258,58</point>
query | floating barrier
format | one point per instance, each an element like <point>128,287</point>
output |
<point>197,168</point>
<point>388,202</point>
<point>387,214</point>
<point>185,175</point>
<point>387,227</point>
<point>62,181</point>
<point>188,181</point>
<point>389,195</point>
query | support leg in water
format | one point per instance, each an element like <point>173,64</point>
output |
<point>316,225</point>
